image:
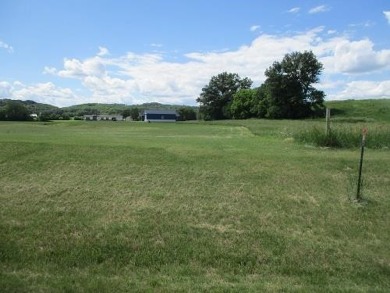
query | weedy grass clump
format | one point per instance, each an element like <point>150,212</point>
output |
<point>345,136</point>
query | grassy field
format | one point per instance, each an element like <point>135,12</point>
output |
<point>228,206</point>
<point>358,110</point>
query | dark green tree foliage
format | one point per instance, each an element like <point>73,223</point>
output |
<point>56,114</point>
<point>216,97</point>
<point>289,91</point>
<point>186,113</point>
<point>36,108</point>
<point>126,113</point>
<point>245,104</point>
<point>15,111</point>
<point>134,114</point>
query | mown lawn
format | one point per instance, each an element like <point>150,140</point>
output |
<point>229,206</point>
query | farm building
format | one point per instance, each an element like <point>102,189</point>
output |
<point>103,117</point>
<point>159,116</point>
<point>34,116</point>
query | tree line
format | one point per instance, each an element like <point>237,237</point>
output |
<point>15,110</point>
<point>287,92</point>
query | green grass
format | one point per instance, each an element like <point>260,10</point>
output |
<point>346,135</point>
<point>227,206</point>
<point>360,110</point>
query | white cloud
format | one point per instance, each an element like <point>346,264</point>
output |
<point>5,90</point>
<point>137,78</point>
<point>47,93</point>
<point>103,51</point>
<point>387,15</point>
<point>351,57</point>
<point>254,28</point>
<point>74,68</point>
<point>294,10</point>
<point>364,89</point>
<point>319,9</point>
<point>247,61</point>
<point>365,24</point>
<point>49,70</point>
<point>7,47</point>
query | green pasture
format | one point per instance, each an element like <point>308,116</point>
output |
<point>225,206</point>
<point>360,110</point>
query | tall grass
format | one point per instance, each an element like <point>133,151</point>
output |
<point>345,136</point>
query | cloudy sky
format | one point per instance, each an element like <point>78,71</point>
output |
<point>134,51</point>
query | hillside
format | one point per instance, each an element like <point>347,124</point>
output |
<point>32,106</point>
<point>378,110</point>
<point>96,108</point>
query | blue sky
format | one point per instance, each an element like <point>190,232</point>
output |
<point>110,51</point>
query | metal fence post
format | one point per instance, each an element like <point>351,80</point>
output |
<point>327,121</point>
<point>358,193</point>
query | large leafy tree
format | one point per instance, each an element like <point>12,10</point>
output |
<point>244,104</point>
<point>134,114</point>
<point>15,111</point>
<point>126,112</point>
<point>289,87</point>
<point>186,113</point>
<point>216,97</point>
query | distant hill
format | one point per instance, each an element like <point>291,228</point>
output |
<point>90,108</point>
<point>96,108</point>
<point>32,106</point>
<point>378,110</point>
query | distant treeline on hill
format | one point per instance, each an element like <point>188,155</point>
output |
<point>374,109</point>
<point>21,110</point>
